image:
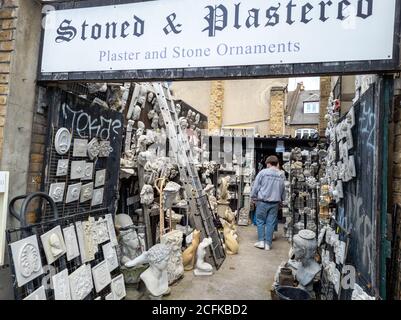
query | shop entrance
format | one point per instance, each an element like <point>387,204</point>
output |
<point>115,160</point>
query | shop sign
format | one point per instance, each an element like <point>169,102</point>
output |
<point>217,33</point>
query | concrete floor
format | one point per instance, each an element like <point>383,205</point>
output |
<point>248,275</point>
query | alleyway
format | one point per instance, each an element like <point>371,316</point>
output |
<point>248,275</point>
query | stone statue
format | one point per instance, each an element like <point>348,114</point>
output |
<point>209,190</point>
<point>223,189</point>
<point>128,239</point>
<point>156,276</point>
<point>183,124</point>
<point>230,239</point>
<point>178,109</point>
<point>188,256</point>
<point>147,194</point>
<point>203,268</point>
<point>175,268</point>
<point>304,249</point>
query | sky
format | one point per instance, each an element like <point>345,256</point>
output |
<point>309,83</point>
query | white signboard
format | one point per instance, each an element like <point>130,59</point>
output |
<point>211,33</point>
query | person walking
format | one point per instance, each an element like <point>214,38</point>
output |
<point>268,191</point>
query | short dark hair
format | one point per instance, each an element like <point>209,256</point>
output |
<point>273,160</point>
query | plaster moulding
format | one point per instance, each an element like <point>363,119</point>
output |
<point>62,167</point>
<point>53,244</point>
<point>97,198</point>
<point>112,230</point>
<point>100,178</point>
<point>62,141</point>
<point>93,148</point>
<point>88,171</point>
<point>100,231</point>
<point>56,191</point>
<point>110,256</point>
<point>105,149</point>
<point>80,148</point>
<point>77,169</point>
<point>26,259</point>
<point>38,294</point>
<point>86,192</point>
<point>81,282</point>
<point>89,243</point>
<point>61,286</point>
<point>73,192</point>
<point>118,287</point>
<point>101,276</point>
<point>71,242</point>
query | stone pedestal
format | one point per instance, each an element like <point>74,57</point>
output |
<point>222,207</point>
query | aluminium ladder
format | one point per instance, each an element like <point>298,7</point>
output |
<point>202,214</point>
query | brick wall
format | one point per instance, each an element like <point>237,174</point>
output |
<point>325,90</point>
<point>216,106</point>
<point>277,106</point>
<point>8,22</point>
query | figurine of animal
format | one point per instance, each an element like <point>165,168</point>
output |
<point>188,256</point>
<point>230,239</point>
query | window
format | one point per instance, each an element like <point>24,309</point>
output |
<point>311,107</point>
<point>306,131</point>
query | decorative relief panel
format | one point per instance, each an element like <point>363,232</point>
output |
<point>56,191</point>
<point>97,198</point>
<point>100,178</point>
<point>62,141</point>
<point>77,169</point>
<point>101,276</point>
<point>88,171</point>
<point>81,282</point>
<point>38,294</point>
<point>110,256</point>
<point>53,244</point>
<point>118,287</point>
<point>71,242</point>
<point>86,192</point>
<point>62,167</point>
<point>80,148</point>
<point>73,192</point>
<point>61,286</point>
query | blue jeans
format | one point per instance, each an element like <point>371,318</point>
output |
<point>266,220</point>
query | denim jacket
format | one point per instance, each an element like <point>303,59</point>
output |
<point>269,186</point>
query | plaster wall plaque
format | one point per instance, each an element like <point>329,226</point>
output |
<point>100,231</point>
<point>110,256</point>
<point>80,235</point>
<point>86,192</point>
<point>118,287</point>
<point>61,286</point>
<point>80,148</point>
<point>26,258</point>
<point>62,141</point>
<point>93,148</point>
<point>62,167</point>
<point>38,294</point>
<point>89,245</point>
<point>97,198</point>
<point>101,276</point>
<point>100,178</point>
<point>81,282</point>
<point>71,242</point>
<point>56,191</point>
<point>77,169</point>
<point>104,149</point>
<point>112,230</point>
<point>73,192</point>
<point>88,171</point>
<point>53,244</point>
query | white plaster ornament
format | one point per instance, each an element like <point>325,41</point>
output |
<point>101,276</point>
<point>97,198</point>
<point>175,267</point>
<point>118,287</point>
<point>112,231</point>
<point>93,148</point>
<point>110,296</point>
<point>62,167</point>
<point>203,268</point>
<point>53,244</point>
<point>100,178</point>
<point>38,294</point>
<point>77,170</point>
<point>86,192</point>
<point>56,191</point>
<point>110,255</point>
<point>73,192</point>
<point>26,259</point>
<point>71,242</point>
<point>62,141</point>
<point>105,149</point>
<point>80,148</point>
<point>81,282</point>
<point>100,231</point>
<point>61,286</point>
<point>88,171</point>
